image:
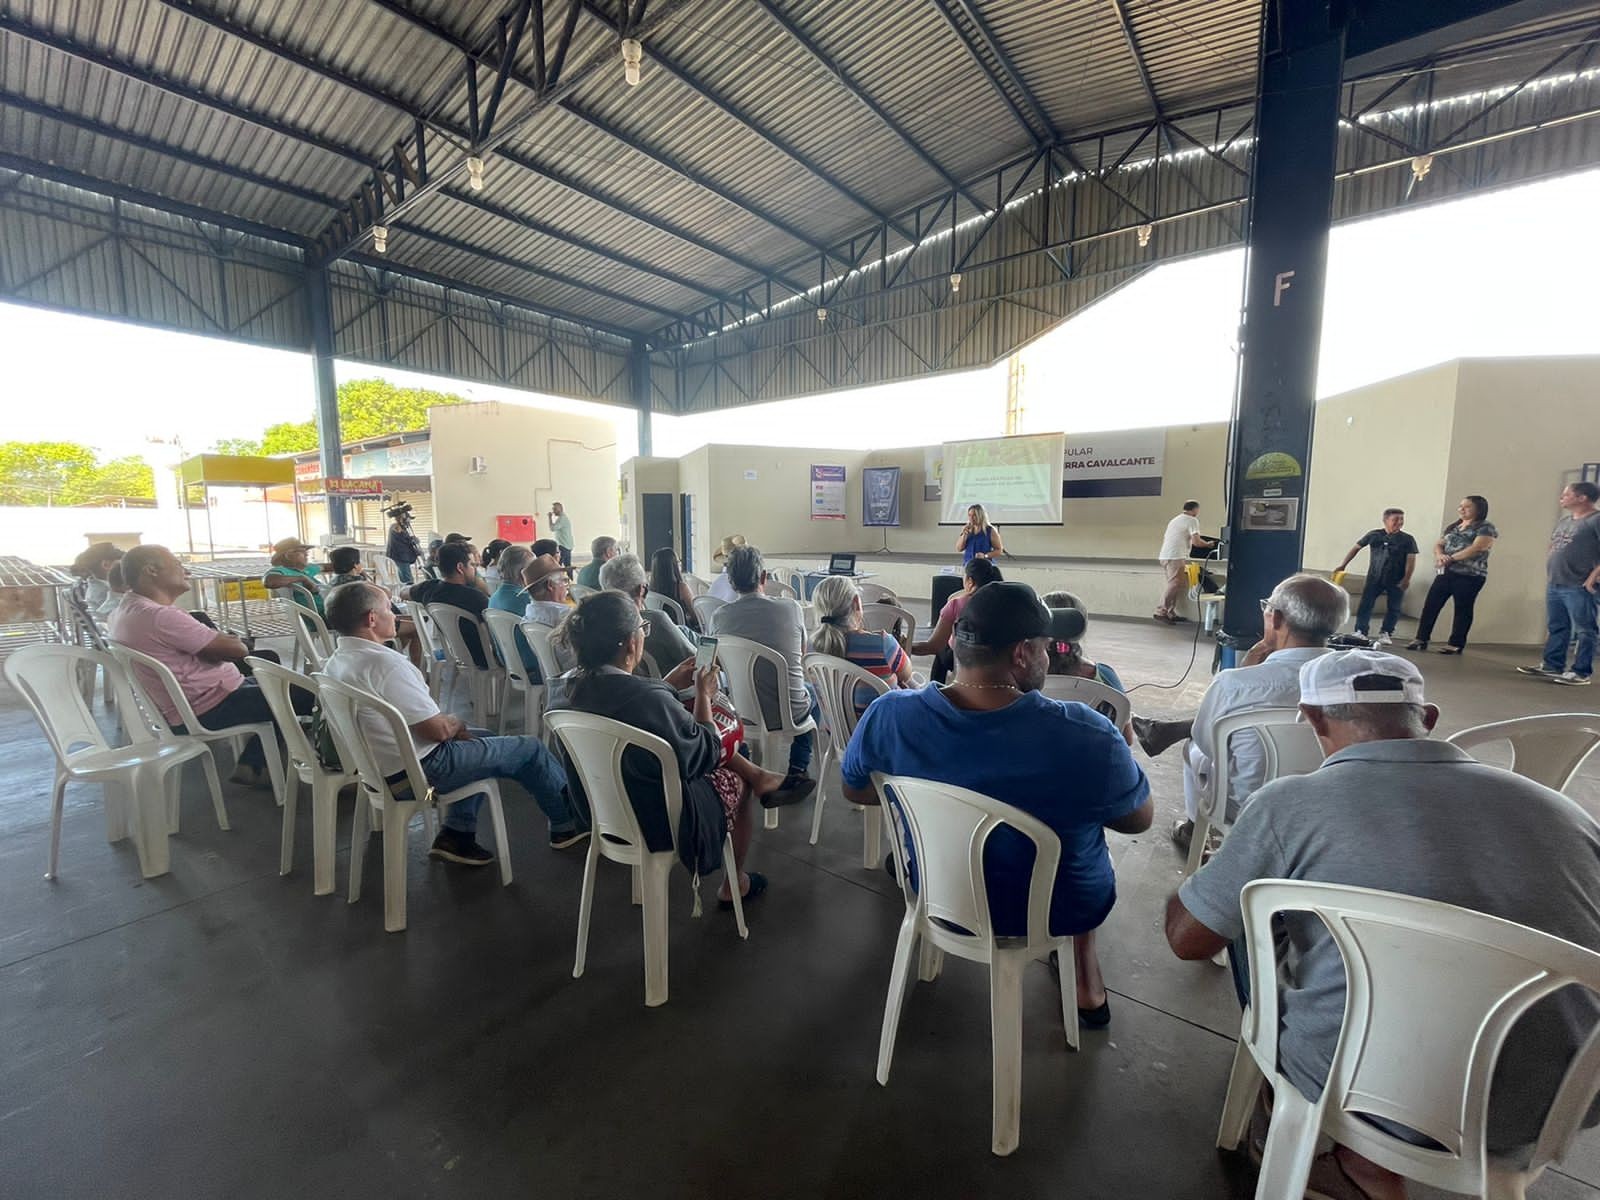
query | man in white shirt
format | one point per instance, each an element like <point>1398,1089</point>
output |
<point>1302,613</point>
<point>721,588</point>
<point>452,755</point>
<point>1183,534</point>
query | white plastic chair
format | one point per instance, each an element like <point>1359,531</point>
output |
<point>777,587</point>
<point>539,638</point>
<point>428,641</point>
<point>484,684</point>
<point>304,765</point>
<point>1091,692</point>
<point>696,585</point>
<point>311,635</point>
<point>890,619</point>
<point>46,677</point>
<point>1290,747</point>
<point>949,911</point>
<point>595,746</point>
<point>836,681</point>
<point>666,604</point>
<point>704,606</point>
<point>1432,991</point>
<point>503,628</point>
<point>142,667</point>
<point>579,591</point>
<point>876,593</point>
<point>768,734</point>
<point>1548,749</point>
<point>343,705</point>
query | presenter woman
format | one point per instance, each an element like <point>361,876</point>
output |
<point>979,539</point>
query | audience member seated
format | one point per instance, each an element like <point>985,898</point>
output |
<point>666,579</point>
<point>346,565</point>
<point>1067,656</point>
<point>94,567</point>
<point>666,644</point>
<point>511,594</point>
<point>203,661</point>
<point>116,589</point>
<point>777,623</point>
<point>493,575</point>
<point>601,551</point>
<point>1394,810</point>
<point>292,576</point>
<point>976,573</point>
<point>607,633</point>
<point>1302,613</point>
<point>992,731</point>
<point>548,603</point>
<point>837,602</point>
<point>720,587</point>
<point>457,584</point>
<point>451,754</point>
<point>547,546</point>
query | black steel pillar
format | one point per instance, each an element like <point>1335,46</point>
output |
<point>639,392</point>
<point>1291,204</point>
<point>319,311</point>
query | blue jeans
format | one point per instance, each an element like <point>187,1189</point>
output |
<point>1369,600</point>
<point>451,765</point>
<point>800,749</point>
<point>1570,612</point>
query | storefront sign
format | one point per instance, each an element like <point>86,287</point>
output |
<point>354,489</point>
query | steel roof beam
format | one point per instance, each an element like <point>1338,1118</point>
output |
<point>813,48</point>
<point>963,17</point>
<point>728,108</point>
<point>1132,42</point>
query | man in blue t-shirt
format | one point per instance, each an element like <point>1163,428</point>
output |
<point>993,732</point>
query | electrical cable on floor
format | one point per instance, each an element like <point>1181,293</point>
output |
<point>1194,652</point>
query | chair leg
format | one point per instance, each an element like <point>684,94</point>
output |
<point>591,865</point>
<point>360,835</point>
<point>822,796</point>
<point>214,782</point>
<point>275,772</point>
<point>1067,973</point>
<point>1291,1145</point>
<point>1197,844</point>
<point>871,836</point>
<point>396,828</point>
<point>655,872</point>
<point>635,884</point>
<point>899,980</point>
<point>58,800</point>
<point>120,797</point>
<point>1244,1085</point>
<point>1005,1017</point>
<point>1501,1184</point>
<point>929,962</point>
<point>730,868</point>
<point>502,844</point>
<point>150,788</point>
<point>291,802</point>
<point>324,830</point>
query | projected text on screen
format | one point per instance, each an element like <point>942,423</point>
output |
<point>1016,479</point>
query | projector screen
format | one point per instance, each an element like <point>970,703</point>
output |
<point>1016,479</point>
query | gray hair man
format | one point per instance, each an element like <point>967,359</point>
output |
<point>1394,810</point>
<point>667,645</point>
<point>1302,613</point>
<point>601,551</point>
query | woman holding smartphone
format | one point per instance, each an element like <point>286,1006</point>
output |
<point>979,539</point>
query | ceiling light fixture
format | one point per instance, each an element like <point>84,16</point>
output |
<point>822,313</point>
<point>475,173</point>
<point>955,281</point>
<point>632,56</point>
<point>380,239</point>
<point>1144,235</point>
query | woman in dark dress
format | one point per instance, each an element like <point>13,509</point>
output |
<point>607,633</point>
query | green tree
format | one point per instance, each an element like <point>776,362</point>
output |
<point>120,479</point>
<point>289,437</point>
<point>38,472</point>
<point>368,408</point>
<point>236,446</point>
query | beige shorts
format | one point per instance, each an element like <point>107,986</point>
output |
<point>1174,567</point>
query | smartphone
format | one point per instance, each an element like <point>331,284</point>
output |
<point>705,654</point>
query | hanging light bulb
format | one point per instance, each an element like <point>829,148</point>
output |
<point>475,173</point>
<point>1420,166</point>
<point>955,281</point>
<point>822,313</point>
<point>380,239</point>
<point>632,56</point>
<point>1144,235</point>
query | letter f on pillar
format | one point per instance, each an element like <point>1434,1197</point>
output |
<point>1280,285</point>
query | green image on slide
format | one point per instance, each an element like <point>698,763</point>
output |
<point>1017,476</point>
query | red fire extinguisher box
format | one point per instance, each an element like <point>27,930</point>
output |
<point>520,527</point>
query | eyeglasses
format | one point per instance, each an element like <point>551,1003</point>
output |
<point>643,627</point>
<point>1268,606</point>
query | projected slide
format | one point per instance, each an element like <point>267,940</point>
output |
<point>1016,479</point>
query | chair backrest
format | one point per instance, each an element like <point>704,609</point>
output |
<point>595,746</point>
<point>147,674</point>
<point>697,586</point>
<point>275,681</point>
<point>889,618</point>
<point>311,633</point>
<point>1091,692</point>
<point>427,636</point>
<point>740,657</point>
<point>1432,991</point>
<point>665,604</point>
<point>450,622</point>
<point>704,607</point>
<point>1216,797</point>
<point>876,593</point>
<point>46,677</point>
<point>948,827</point>
<point>342,705</point>
<point>1547,749</point>
<point>579,591</point>
<point>836,681</point>
<point>777,587</point>
<point>539,638</point>
<point>503,628</point>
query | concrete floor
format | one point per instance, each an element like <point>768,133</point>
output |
<point>221,1032</point>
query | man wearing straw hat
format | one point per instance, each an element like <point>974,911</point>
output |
<point>720,587</point>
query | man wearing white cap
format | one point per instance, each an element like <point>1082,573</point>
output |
<point>1394,810</point>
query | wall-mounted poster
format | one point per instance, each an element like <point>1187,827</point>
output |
<point>932,472</point>
<point>880,497</point>
<point>1123,463</point>
<point>827,493</point>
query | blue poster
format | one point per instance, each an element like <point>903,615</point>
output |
<point>880,496</point>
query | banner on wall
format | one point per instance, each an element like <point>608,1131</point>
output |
<point>827,493</point>
<point>880,496</point>
<point>1120,463</point>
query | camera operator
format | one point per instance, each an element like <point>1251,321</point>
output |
<point>402,545</point>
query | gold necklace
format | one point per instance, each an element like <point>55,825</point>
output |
<point>993,687</point>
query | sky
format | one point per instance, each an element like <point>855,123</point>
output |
<point>1512,272</point>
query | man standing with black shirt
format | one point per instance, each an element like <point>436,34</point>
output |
<point>1394,554</point>
<point>457,585</point>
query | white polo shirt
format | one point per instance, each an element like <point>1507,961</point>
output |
<point>387,673</point>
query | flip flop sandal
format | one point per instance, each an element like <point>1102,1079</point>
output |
<point>758,885</point>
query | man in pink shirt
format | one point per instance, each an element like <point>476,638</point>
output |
<point>202,659</point>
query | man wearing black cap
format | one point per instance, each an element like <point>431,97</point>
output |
<point>992,731</point>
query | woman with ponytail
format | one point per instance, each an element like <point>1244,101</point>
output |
<point>837,602</point>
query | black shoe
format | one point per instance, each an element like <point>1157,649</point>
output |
<point>570,837</point>
<point>1183,834</point>
<point>888,869</point>
<point>758,885</point>
<point>1095,1018</point>
<point>795,789</point>
<point>460,848</point>
<point>1155,737</point>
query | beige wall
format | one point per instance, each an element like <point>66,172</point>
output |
<point>640,475</point>
<point>534,457</point>
<point>694,479</point>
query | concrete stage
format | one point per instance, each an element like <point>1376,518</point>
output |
<point>220,1032</point>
